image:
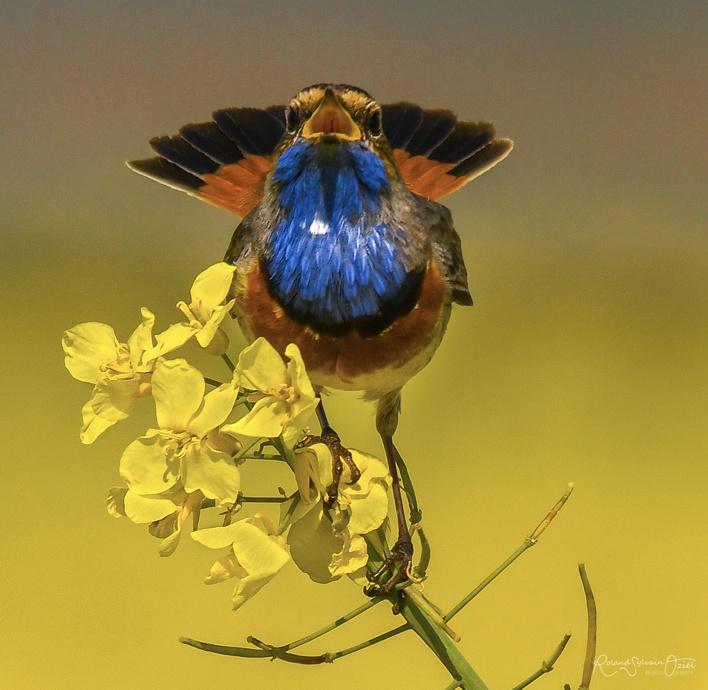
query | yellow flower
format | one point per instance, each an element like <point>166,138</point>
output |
<point>188,447</point>
<point>204,313</point>
<point>120,372</point>
<point>166,513</point>
<point>255,558</point>
<point>283,395</point>
<point>326,549</point>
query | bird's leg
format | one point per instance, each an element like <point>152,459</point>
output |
<point>399,560</point>
<point>340,455</point>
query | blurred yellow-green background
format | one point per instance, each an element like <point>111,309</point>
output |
<point>584,358</point>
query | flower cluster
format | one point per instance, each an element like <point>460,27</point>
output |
<point>191,459</point>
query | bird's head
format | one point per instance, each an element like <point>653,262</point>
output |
<point>336,114</point>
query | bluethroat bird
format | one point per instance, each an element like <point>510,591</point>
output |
<point>343,248</point>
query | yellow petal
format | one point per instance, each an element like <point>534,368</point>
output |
<point>368,513</point>
<point>307,476</point>
<point>313,545</point>
<point>93,426</point>
<point>141,340</point>
<point>373,471</point>
<point>260,367</point>
<point>178,389</point>
<point>297,419</point>
<point>224,569</point>
<point>211,325</point>
<point>116,501</point>
<point>217,537</point>
<point>147,466</point>
<point>352,557</point>
<point>113,400</point>
<point>211,286</point>
<point>214,409</point>
<point>169,544</point>
<point>255,560</point>
<point>261,556</point>
<point>143,509</point>
<point>88,346</point>
<point>264,420</point>
<point>297,372</point>
<point>210,471</point>
<point>324,462</point>
<point>217,346</point>
<point>170,340</point>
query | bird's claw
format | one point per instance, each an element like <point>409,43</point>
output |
<point>398,563</point>
<point>340,456</point>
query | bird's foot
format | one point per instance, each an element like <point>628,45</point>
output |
<point>398,564</point>
<point>340,457</point>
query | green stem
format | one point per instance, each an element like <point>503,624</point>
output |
<point>455,684</point>
<point>333,656</point>
<point>495,573</point>
<point>589,664</point>
<point>443,647</point>
<point>264,499</point>
<point>245,449</point>
<point>286,453</point>
<point>283,652</point>
<point>229,363</point>
<point>527,543</point>
<point>285,519</point>
<point>213,382</point>
<point>335,624</point>
<point>421,568</point>
<point>546,666</point>
<point>262,653</point>
<point>416,514</point>
<point>277,458</point>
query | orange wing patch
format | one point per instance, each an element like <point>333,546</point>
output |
<point>237,187</point>
<point>423,176</point>
<point>434,180</point>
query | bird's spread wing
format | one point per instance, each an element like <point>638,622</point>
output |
<point>224,161</point>
<point>435,152</point>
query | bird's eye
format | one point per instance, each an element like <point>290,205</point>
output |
<point>292,120</point>
<point>374,123</point>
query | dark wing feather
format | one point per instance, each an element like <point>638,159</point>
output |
<point>254,131</point>
<point>434,128</point>
<point>435,152</point>
<point>447,248</point>
<point>167,173</point>
<point>209,139</point>
<point>400,122</point>
<point>465,140</point>
<point>224,162</point>
<point>178,151</point>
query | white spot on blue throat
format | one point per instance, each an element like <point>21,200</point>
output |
<point>318,226</point>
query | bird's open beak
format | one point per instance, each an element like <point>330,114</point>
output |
<point>331,118</point>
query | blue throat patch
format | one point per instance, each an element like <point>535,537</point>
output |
<point>332,263</point>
